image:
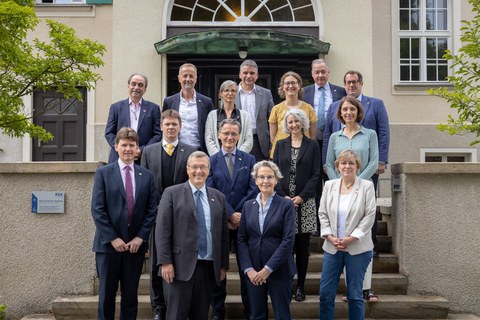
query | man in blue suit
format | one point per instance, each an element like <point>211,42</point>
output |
<point>375,118</point>
<point>124,206</point>
<point>141,115</point>
<point>192,106</point>
<point>231,175</point>
<point>321,102</point>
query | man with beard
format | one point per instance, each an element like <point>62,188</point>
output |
<point>192,106</point>
<point>141,115</point>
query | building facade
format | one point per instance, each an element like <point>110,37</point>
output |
<point>397,45</point>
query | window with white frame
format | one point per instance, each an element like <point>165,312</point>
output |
<point>60,1</point>
<point>448,155</point>
<point>424,35</point>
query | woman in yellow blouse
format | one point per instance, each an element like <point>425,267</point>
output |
<point>291,90</point>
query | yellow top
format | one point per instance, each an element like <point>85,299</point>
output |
<point>278,114</point>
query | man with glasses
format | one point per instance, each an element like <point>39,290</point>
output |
<point>375,118</point>
<point>192,242</point>
<point>137,113</point>
<point>231,174</point>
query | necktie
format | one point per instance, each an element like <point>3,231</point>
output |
<point>129,193</point>
<point>169,149</point>
<point>230,164</point>
<point>321,109</point>
<point>202,227</point>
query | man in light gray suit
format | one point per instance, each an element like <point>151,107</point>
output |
<point>258,102</point>
<point>168,162</point>
<point>192,242</point>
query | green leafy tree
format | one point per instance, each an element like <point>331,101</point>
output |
<point>62,64</point>
<point>465,95</point>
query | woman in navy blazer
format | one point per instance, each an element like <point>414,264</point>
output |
<point>347,211</point>
<point>298,158</point>
<point>265,242</point>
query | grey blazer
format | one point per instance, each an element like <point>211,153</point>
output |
<point>176,233</point>
<point>263,105</point>
<point>360,216</point>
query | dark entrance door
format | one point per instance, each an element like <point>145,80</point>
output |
<point>66,120</point>
<point>212,71</point>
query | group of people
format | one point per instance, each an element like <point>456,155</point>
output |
<point>193,183</point>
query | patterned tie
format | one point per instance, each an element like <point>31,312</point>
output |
<point>230,164</point>
<point>202,227</point>
<point>170,149</point>
<point>129,193</point>
<point>321,109</point>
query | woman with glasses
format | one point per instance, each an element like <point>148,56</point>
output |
<point>291,90</point>
<point>298,159</point>
<point>347,211</point>
<point>227,110</point>
<point>365,143</point>
<point>265,241</point>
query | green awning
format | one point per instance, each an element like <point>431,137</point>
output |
<point>230,41</point>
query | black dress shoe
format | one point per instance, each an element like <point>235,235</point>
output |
<point>375,253</point>
<point>300,295</point>
<point>217,318</point>
<point>156,316</point>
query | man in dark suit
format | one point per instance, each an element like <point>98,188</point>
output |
<point>231,174</point>
<point>192,242</point>
<point>320,96</point>
<point>123,208</point>
<point>375,117</point>
<point>258,102</point>
<point>141,115</point>
<point>168,162</point>
<point>192,106</point>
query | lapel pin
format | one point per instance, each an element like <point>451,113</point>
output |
<point>139,173</point>
<point>240,159</point>
<point>213,200</point>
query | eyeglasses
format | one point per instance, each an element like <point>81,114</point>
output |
<point>268,178</point>
<point>196,167</point>
<point>354,82</point>
<point>290,83</point>
<point>231,134</point>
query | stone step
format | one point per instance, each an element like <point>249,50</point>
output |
<point>388,307</point>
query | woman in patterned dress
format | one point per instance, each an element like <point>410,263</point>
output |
<point>298,158</point>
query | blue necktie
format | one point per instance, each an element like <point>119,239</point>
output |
<point>202,228</point>
<point>321,109</point>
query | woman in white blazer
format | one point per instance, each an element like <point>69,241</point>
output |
<point>346,213</point>
<point>228,92</point>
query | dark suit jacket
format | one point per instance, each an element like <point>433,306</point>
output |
<point>151,159</point>
<point>239,189</point>
<point>148,124</point>
<point>375,118</point>
<point>272,247</point>
<point>263,107</point>
<point>204,106</point>
<point>308,167</point>
<point>176,233</point>
<point>309,93</point>
<point>109,207</point>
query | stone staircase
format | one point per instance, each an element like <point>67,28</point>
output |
<point>394,303</point>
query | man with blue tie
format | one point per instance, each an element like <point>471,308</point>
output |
<point>192,106</point>
<point>137,113</point>
<point>321,95</point>
<point>168,162</point>
<point>192,242</point>
<point>375,117</point>
<point>231,174</point>
<point>123,208</point>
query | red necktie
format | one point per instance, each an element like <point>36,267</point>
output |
<point>129,193</point>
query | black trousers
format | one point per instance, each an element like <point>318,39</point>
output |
<point>157,300</point>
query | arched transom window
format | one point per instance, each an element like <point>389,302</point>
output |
<point>242,12</point>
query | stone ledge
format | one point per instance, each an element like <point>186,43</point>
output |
<point>437,168</point>
<point>51,167</point>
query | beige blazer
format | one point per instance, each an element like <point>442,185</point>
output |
<point>360,216</point>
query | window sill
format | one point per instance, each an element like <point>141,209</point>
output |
<point>419,88</point>
<point>65,10</point>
